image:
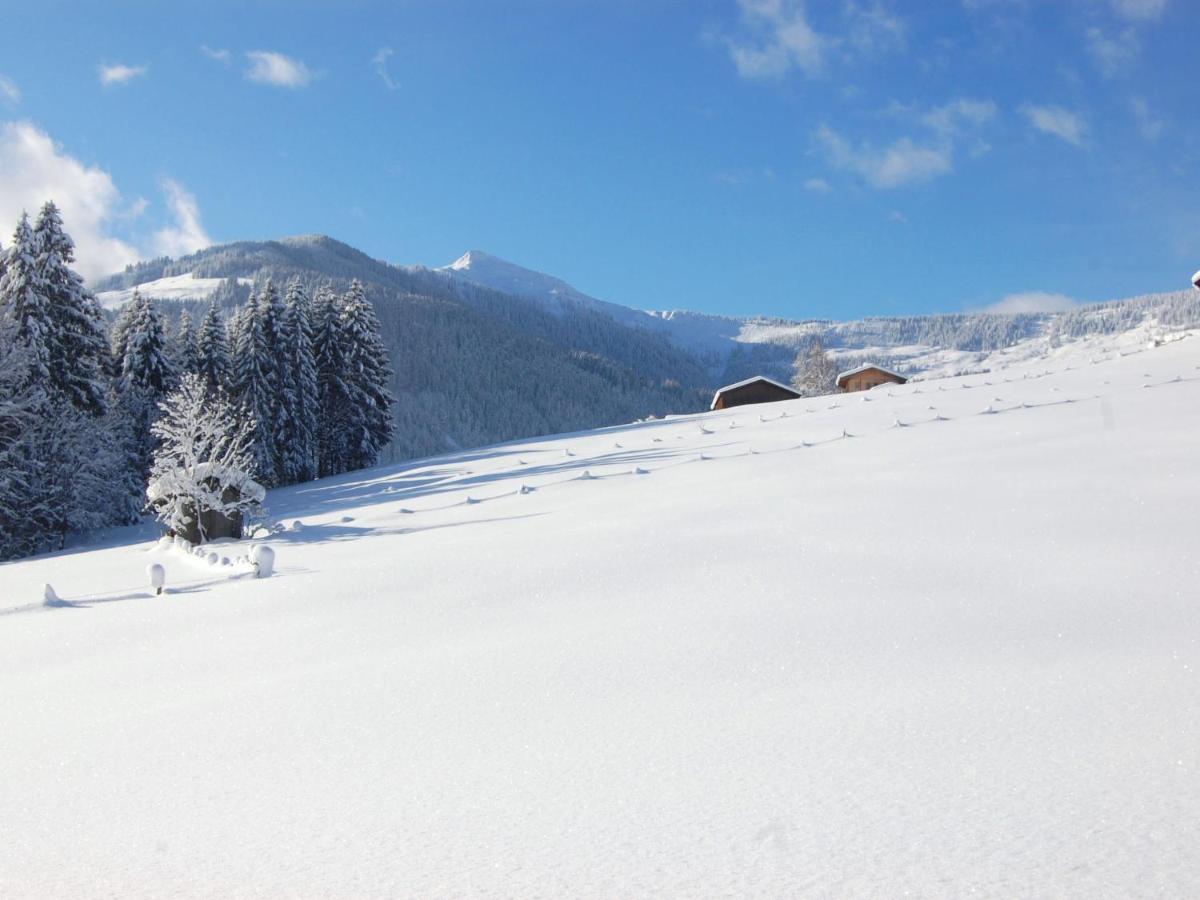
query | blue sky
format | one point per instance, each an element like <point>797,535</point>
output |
<point>838,159</point>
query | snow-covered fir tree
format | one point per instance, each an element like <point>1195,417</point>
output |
<point>212,350</point>
<point>204,459</point>
<point>24,302</point>
<point>816,373</point>
<point>333,395</point>
<point>184,346</point>
<point>252,383</point>
<point>78,345</point>
<point>296,423</point>
<point>365,374</point>
<point>147,374</point>
<point>146,358</point>
<point>56,446</point>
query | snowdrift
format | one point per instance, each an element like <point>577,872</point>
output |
<point>935,639</point>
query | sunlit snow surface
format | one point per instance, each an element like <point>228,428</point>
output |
<point>172,287</point>
<point>935,640</point>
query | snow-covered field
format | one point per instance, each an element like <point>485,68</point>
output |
<point>937,640</point>
<point>173,287</point>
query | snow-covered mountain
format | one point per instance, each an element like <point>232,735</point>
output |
<point>470,340</point>
<point>936,640</point>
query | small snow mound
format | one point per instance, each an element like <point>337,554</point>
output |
<point>157,575</point>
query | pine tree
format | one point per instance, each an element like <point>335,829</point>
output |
<point>146,376</point>
<point>77,346</point>
<point>365,364</point>
<point>816,373</point>
<point>212,350</point>
<point>296,423</point>
<point>118,336</point>
<point>252,386</point>
<point>24,302</point>
<point>184,346</point>
<point>333,396</point>
<point>20,402</point>
<point>146,360</point>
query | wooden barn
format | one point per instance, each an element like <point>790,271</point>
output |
<point>758,389</point>
<point>866,377</point>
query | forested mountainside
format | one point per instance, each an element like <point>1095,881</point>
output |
<point>475,365</point>
<point>471,366</point>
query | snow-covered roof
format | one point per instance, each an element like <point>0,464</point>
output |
<point>866,367</point>
<point>746,381</point>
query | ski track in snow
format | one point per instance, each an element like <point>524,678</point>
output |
<point>851,646</point>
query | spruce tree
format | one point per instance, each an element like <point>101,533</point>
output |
<point>147,374</point>
<point>212,350</point>
<point>296,422</point>
<point>333,396</point>
<point>185,350</point>
<point>77,347</point>
<point>252,386</point>
<point>24,303</point>
<point>365,364</point>
<point>816,373</point>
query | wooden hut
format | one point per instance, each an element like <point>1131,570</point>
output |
<point>758,389</point>
<point>866,377</point>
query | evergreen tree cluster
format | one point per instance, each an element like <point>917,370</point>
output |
<point>83,412</point>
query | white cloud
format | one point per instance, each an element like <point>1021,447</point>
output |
<point>1112,54</point>
<point>34,169</point>
<point>818,186</point>
<point>872,29</point>
<point>120,74</point>
<point>1032,302</point>
<point>780,39</point>
<point>907,160</point>
<point>1139,10</point>
<point>269,67</point>
<point>187,235</point>
<point>1054,120</point>
<point>964,114</point>
<point>217,53</point>
<point>9,92</point>
<point>379,62</point>
<point>901,163</point>
<point>1150,125</point>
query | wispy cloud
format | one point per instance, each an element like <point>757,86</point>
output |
<point>779,38</point>
<point>269,67</point>
<point>900,163</point>
<point>1058,122</point>
<point>379,63</point>
<point>908,160</point>
<point>10,94</point>
<point>186,235</point>
<point>1149,125</point>
<point>1139,10</point>
<point>818,186</point>
<point>871,28</point>
<point>1032,302</point>
<point>1112,54</point>
<point>118,73</point>
<point>219,54</point>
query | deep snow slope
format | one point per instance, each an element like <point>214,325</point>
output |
<point>937,640</point>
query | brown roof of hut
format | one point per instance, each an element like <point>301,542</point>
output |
<point>758,389</point>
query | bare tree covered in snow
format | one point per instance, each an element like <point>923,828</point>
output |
<point>204,462</point>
